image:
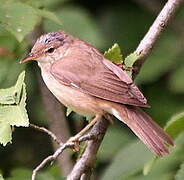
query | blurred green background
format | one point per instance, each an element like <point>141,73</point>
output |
<point>101,23</point>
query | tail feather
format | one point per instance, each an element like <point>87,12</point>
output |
<point>144,127</point>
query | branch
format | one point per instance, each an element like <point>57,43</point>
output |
<point>89,156</point>
<point>50,158</point>
<point>51,134</point>
<point>93,135</point>
<point>155,30</point>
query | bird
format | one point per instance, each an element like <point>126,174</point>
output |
<point>81,78</point>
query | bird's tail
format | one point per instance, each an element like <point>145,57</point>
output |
<point>144,127</point>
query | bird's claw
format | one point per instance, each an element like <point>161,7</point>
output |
<point>75,140</point>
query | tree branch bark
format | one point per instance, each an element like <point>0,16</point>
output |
<point>89,156</point>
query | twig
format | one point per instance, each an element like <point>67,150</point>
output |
<point>51,134</point>
<point>91,136</point>
<point>50,158</point>
<point>155,30</point>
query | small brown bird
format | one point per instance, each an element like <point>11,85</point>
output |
<point>82,79</point>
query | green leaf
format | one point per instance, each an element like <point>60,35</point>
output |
<point>18,18</point>
<point>180,173</point>
<point>7,96</point>
<point>129,62</point>
<point>176,125</point>
<point>114,54</point>
<point>5,133</point>
<point>14,114</point>
<point>49,15</point>
<point>131,59</point>
<point>148,165</point>
<point>1,177</point>
<point>128,161</point>
<point>12,95</point>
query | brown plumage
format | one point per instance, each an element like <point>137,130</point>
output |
<point>81,78</point>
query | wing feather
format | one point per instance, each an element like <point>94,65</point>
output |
<point>98,77</point>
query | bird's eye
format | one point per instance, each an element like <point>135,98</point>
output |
<point>50,50</point>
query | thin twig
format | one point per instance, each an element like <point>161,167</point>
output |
<point>51,158</point>
<point>91,136</point>
<point>51,134</point>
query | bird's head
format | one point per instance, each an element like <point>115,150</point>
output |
<point>46,48</point>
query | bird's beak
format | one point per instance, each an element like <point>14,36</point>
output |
<point>29,57</point>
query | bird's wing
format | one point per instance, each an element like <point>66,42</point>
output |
<point>94,75</point>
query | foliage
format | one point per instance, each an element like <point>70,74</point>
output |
<point>176,125</point>
<point>114,54</point>
<point>26,15</point>
<point>180,173</point>
<point>1,177</point>
<point>12,109</point>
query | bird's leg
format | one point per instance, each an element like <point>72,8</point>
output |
<point>86,128</point>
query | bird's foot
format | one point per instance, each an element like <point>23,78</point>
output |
<point>75,140</point>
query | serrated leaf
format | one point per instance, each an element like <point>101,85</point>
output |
<point>18,18</point>
<point>14,114</point>
<point>180,173</point>
<point>176,125</point>
<point>68,111</point>
<point>49,15</point>
<point>12,95</point>
<point>114,54</point>
<point>5,133</point>
<point>7,96</point>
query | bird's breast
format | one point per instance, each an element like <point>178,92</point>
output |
<point>78,101</point>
